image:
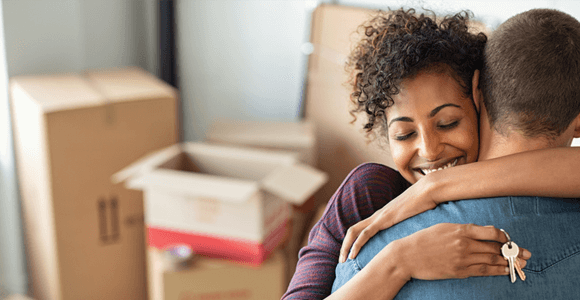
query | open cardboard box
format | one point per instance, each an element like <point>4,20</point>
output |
<point>223,201</point>
<point>298,137</point>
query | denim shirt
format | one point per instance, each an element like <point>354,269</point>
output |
<point>548,227</point>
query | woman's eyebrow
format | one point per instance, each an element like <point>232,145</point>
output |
<point>401,119</point>
<point>431,114</point>
<point>438,108</point>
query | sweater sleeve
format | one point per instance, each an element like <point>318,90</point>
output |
<point>365,190</point>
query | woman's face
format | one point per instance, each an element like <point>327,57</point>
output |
<point>431,126</point>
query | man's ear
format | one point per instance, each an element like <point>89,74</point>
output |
<point>476,91</point>
<point>576,123</point>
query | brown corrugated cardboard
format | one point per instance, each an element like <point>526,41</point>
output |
<point>285,136</point>
<point>216,279</point>
<point>296,137</point>
<point>248,190</point>
<point>84,235</point>
<point>341,145</point>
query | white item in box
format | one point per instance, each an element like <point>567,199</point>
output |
<point>221,190</point>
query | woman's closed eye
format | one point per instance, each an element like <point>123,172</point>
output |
<point>449,125</point>
<point>403,137</point>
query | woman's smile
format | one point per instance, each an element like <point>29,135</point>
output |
<point>432,125</point>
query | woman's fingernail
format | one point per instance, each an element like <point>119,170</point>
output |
<point>506,270</point>
<point>526,254</point>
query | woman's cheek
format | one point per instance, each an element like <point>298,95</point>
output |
<point>402,154</point>
<point>468,140</point>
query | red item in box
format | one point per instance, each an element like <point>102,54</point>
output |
<point>239,250</point>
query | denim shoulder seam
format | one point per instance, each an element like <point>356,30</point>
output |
<point>355,266</point>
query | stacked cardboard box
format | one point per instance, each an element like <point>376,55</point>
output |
<point>223,201</point>
<point>296,137</point>
<point>84,235</point>
<point>210,278</point>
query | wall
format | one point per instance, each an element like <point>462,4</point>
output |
<point>240,60</point>
<point>73,35</point>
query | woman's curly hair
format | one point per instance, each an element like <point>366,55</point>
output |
<point>397,45</point>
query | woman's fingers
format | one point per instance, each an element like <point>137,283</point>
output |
<point>483,270</point>
<point>490,233</point>
<point>524,254</point>
<point>487,269</point>
<point>484,233</point>
<point>351,235</point>
<point>363,237</point>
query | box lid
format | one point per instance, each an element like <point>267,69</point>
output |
<point>265,134</point>
<point>284,177</point>
<point>196,185</point>
<point>94,88</point>
<point>55,93</point>
<point>145,174</point>
<point>146,164</point>
<point>128,84</point>
<point>294,183</point>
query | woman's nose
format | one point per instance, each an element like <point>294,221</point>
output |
<point>430,147</point>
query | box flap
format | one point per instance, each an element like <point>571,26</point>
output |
<point>56,93</point>
<point>146,164</point>
<point>195,185</point>
<point>265,134</point>
<point>129,84</point>
<point>294,183</point>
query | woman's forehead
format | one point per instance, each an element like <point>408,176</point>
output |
<point>427,91</point>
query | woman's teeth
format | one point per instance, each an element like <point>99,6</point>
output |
<point>449,165</point>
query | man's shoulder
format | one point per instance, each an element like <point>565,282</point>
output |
<point>514,205</point>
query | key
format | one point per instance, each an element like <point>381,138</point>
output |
<point>519,269</point>
<point>510,252</point>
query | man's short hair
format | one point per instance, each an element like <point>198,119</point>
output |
<point>531,76</point>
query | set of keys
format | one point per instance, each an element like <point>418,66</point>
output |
<point>510,253</point>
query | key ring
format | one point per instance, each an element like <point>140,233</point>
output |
<point>509,242</point>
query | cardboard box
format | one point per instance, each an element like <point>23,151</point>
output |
<point>208,195</point>
<point>84,236</point>
<point>216,279</point>
<point>297,137</point>
<point>341,145</point>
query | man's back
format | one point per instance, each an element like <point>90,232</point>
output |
<point>547,227</point>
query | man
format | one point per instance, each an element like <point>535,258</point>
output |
<point>531,93</point>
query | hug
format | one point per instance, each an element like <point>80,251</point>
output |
<point>480,129</point>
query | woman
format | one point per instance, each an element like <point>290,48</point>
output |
<point>419,74</point>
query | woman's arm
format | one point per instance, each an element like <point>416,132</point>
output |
<point>382,278</point>
<point>553,172</point>
<point>455,251</point>
<point>366,189</point>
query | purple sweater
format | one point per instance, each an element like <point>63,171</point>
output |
<point>365,190</point>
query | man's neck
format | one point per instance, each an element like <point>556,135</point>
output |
<point>494,144</point>
<point>502,145</point>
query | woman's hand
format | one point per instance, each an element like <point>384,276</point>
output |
<point>448,250</point>
<point>415,200</point>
